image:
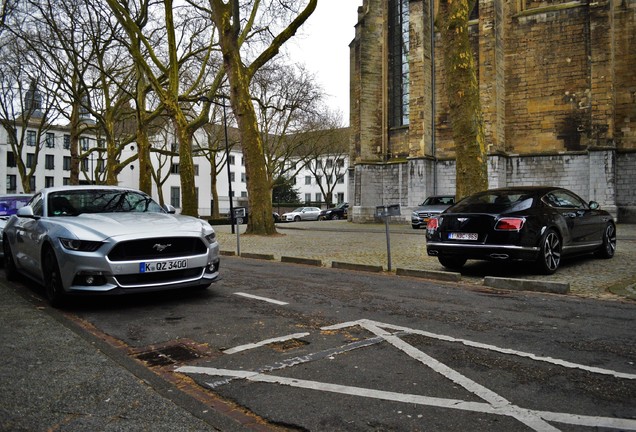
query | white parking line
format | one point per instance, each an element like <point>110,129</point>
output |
<point>481,407</point>
<point>494,403</point>
<point>264,342</point>
<point>265,299</point>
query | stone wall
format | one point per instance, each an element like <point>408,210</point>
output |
<point>589,174</point>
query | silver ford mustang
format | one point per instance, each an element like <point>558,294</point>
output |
<point>106,239</point>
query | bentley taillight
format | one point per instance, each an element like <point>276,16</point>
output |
<point>510,224</point>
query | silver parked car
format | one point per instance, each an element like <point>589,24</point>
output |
<point>9,205</point>
<point>432,206</point>
<point>301,213</point>
<point>106,239</point>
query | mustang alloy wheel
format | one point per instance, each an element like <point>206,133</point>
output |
<point>550,252</point>
<point>52,279</point>
<point>10,271</point>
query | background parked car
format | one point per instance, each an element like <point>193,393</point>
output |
<point>432,206</point>
<point>245,218</point>
<point>106,239</point>
<point>9,205</point>
<point>536,224</point>
<point>301,213</point>
<point>335,213</point>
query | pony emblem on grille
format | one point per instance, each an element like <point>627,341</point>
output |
<point>161,247</point>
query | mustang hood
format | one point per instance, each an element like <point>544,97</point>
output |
<point>99,226</point>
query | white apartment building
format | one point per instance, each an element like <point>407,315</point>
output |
<point>53,165</point>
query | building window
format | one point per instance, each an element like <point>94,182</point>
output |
<point>32,183</point>
<point>242,161</point>
<point>329,163</point>
<point>85,165</point>
<point>49,162</point>
<point>340,163</point>
<point>84,143</point>
<point>318,197</point>
<point>31,138</point>
<point>174,148</point>
<point>243,194</point>
<point>12,184</point>
<point>232,159</point>
<point>50,140</point>
<point>66,181</point>
<point>30,162</point>
<point>49,182</point>
<point>318,179</point>
<point>243,177</point>
<point>319,164</point>
<point>67,142</point>
<point>175,197</point>
<point>66,163</point>
<point>101,165</point>
<point>196,170</point>
<point>231,176</point>
<point>399,87</point>
<point>341,179</point>
<point>10,159</point>
<point>174,169</point>
<point>307,197</point>
<point>101,143</point>
<point>307,180</point>
<point>340,198</point>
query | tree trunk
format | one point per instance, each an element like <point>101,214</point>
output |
<point>462,90</point>
<point>258,185</point>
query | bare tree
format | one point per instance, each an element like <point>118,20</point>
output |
<point>250,35</point>
<point>292,118</point>
<point>26,105</point>
<point>173,52</point>
<point>462,90</point>
<point>328,166</point>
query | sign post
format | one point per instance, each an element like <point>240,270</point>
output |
<point>385,212</point>
<point>239,214</point>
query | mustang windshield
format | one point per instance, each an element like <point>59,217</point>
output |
<point>75,202</point>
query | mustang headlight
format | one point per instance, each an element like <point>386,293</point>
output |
<point>211,237</point>
<point>80,245</point>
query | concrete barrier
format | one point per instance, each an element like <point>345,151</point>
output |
<point>527,285</point>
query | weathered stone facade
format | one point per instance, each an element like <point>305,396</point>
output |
<point>558,93</point>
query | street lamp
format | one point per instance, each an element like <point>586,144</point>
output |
<point>227,154</point>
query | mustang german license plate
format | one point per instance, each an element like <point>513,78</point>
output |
<point>462,236</point>
<point>157,266</point>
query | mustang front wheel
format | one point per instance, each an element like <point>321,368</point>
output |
<point>52,279</point>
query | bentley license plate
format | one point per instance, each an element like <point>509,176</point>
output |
<point>462,236</point>
<point>157,266</point>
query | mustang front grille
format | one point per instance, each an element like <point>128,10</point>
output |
<point>157,248</point>
<point>159,277</point>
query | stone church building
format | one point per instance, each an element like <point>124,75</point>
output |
<point>557,84</point>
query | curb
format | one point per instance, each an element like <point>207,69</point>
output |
<point>268,257</point>
<point>430,274</point>
<point>295,260</point>
<point>527,285</point>
<point>361,267</point>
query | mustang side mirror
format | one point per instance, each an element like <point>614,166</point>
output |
<point>26,211</point>
<point>170,209</point>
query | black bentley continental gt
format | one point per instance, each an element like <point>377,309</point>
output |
<point>538,224</point>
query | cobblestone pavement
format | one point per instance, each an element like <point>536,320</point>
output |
<point>347,242</point>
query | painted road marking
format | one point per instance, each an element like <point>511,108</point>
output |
<point>264,342</point>
<point>494,403</point>
<point>494,348</point>
<point>265,299</point>
<point>481,407</point>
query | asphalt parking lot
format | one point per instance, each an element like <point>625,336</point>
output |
<point>331,243</point>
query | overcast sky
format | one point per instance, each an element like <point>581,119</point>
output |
<point>322,44</point>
